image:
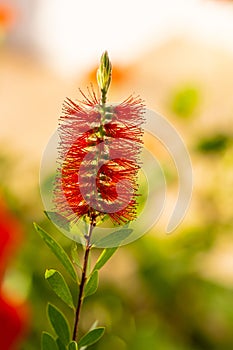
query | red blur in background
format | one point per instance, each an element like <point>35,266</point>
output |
<point>14,317</point>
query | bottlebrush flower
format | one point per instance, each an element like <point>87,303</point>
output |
<point>99,158</point>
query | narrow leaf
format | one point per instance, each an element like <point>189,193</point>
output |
<point>92,284</point>
<point>58,284</point>
<point>114,239</point>
<point>91,337</point>
<point>104,257</point>
<point>75,257</point>
<point>58,251</point>
<point>93,326</point>
<point>58,219</point>
<point>60,345</point>
<point>59,324</point>
<point>48,342</point>
<point>73,346</point>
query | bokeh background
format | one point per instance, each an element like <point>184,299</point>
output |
<point>170,292</point>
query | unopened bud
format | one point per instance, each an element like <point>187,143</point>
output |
<point>104,74</point>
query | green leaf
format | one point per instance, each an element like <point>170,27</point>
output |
<point>75,257</point>
<point>60,345</point>
<point>73,346</point>
<point>58,219</point>
<point>92,284</point>
<point>91,337</point>
<point>93,326</point>
<point>58,284</point>
<point>104,257</point>
<point>48,342</point>
<point>59,324</point>
<point>58,251</point>
<point>114,239</point>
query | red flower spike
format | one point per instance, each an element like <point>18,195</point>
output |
<point>98,159</point>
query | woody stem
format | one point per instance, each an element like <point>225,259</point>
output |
<point>83,281</point>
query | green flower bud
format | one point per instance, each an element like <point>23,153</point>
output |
<point>104,74</point>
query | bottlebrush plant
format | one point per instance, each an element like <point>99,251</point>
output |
<point>96,179</point>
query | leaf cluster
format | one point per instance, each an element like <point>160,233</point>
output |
<point>63,339</point>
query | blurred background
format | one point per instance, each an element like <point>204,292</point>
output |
<point>170,292</point>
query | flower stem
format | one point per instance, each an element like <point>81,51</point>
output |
<point>83,280</point>
<point>104,75</point>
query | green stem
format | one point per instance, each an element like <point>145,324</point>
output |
<point>83,281</point>
<point>103,97</point>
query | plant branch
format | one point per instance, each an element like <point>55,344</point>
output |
<point>83,280</point>
<point>104,75</point>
